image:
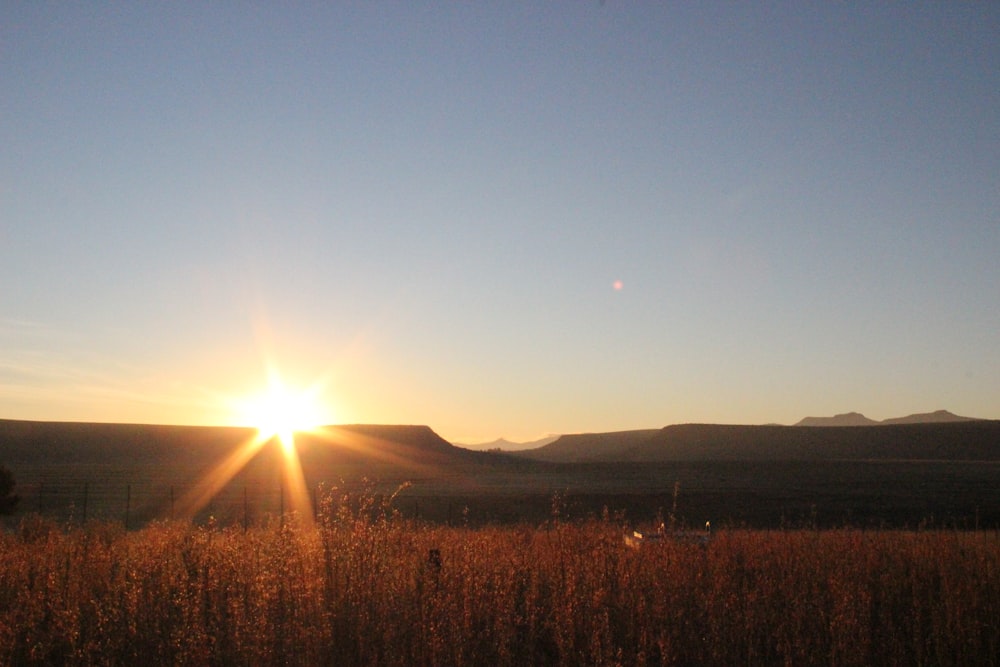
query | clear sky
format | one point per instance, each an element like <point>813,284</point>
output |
<point>500,219</point>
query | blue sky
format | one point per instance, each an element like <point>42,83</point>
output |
<point>425,208</point>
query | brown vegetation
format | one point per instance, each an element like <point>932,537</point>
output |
<point>367,588</point>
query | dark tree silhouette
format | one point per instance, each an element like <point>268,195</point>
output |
<point>8,499</point>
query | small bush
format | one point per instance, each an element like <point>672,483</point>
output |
<point>8,499</point>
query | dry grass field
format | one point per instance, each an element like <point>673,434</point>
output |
<point>366,587</point>
<point>484,559</point>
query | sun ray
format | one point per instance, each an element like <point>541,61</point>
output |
<point>215,480</point>
<point>277,414</point>
<point>371,447</point>
<point>295,484</point>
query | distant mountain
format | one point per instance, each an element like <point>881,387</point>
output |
<point>936,417</point>
<point>845,419</point>
<point>508,445</point>
<point>583,447</point>
<point>972,440</point>
<point>858,419</point>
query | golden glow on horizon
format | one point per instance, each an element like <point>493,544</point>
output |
<point>281,412</point>
<point>278,412</point>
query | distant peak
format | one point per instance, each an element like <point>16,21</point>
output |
<point>858,419</point>
<point>929,417</point>
<point>508,445</point>
<point>843,419</point>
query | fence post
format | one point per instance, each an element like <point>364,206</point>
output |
<point>128,503</point>
<point>246,518</point>
<point>85,489</point>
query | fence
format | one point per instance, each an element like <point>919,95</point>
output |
<point>136,504</point>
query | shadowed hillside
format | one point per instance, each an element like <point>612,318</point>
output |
<point>582,447</point>
<point>82,442</point>
<point>88,470</point>
<point>79,442</point>
<point>977,440</point>
<point>406,446</point>
<point>761,475</point>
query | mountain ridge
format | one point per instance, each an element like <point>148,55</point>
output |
<point>842,419</point>
<point>858,419</point>
<point>964,440</point>
<point>505,445</point>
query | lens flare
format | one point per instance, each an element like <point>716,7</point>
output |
<point>277,413</point>
<point>280,412</point>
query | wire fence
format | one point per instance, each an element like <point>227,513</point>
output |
<point>134,493</point>
<point>136,504</point>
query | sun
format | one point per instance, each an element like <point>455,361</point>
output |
<point>278,411</point>
<point>281,411</point>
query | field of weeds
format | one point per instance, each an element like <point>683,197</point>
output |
<point>368,588</point>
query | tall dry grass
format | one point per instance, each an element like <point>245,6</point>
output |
<point>363,588</point>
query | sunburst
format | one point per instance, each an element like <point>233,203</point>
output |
<point>282,412</point>
<point>278,412</point>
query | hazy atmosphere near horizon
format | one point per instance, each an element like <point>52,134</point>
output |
<point>500,219</point>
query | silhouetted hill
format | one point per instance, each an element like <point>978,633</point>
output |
<point>937,416</point>
<point>83,470</point>
<point>858,419</point>
<point>975,440</point>
<point>845,419</point>
<point>582,447</point>
<point>393,444</point>
<point>80,442</point>
<point>756,474</point>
